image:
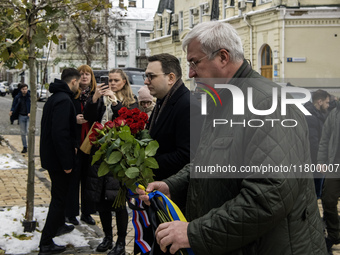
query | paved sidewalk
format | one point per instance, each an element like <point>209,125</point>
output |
<point>13,183</point>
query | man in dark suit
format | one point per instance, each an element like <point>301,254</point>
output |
<point>169,122</point>
<point>57,154</point>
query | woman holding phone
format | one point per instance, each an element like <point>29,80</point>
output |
<point>104,106</point>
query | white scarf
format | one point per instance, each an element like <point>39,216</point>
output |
<point>108,111</point>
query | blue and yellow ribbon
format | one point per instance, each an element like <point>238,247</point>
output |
<point>172,209</point>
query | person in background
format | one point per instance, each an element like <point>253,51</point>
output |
<point>87,87</point>
<point>318,108</point>
<point>145,100</point>
<point>329,154</point>
<point>104,106</point>
<point>58,148</point>
<point>15,92</point>
<point>21,107</point>
<point>332,103</point>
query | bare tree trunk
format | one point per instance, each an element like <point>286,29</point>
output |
<point>29,224</point>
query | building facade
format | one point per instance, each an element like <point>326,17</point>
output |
<point>130,48</point>
<point>126,48</point>
<point>285,40</point>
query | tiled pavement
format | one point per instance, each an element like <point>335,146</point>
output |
<point>13,193</point>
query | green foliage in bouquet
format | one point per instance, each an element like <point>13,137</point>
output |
<point>126,150</point>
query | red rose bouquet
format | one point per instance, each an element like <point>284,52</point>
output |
<point>126,150</point>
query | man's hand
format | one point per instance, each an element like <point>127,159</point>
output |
<point>80,119</point>
<point>173,233</point>
<point>160,186</point>
<point>10,113</point>
<point>68,171</point>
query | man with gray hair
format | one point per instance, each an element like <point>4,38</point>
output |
<point>253,214</point>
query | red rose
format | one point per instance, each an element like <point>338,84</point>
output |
<point>129,121</point>
<point>134,128</point>
<point>110,124</point>
<point>135,118</point>
<point>92,137</point>
<point>119,121</point>
<point>129,113</point>
<point>123,110</point>
<point>135,111</point>
<point>141,125</point>
<point>97,125</point>
<point>143,116</point>
<point>123,115</point>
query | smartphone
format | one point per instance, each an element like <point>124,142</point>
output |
<point>104,79</point>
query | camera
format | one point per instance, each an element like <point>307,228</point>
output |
<point>104,79</point>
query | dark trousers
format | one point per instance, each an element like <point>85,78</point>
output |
<point>55,217</point>
<point>121,221</point>
<point>78,177</point>
<point>318,182</point>
<point>330,196</point>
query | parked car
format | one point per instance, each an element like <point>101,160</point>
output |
<point>3,90</point>
<point>13,86</point>
<point>135,89</point>
<point>4,83</point>
<point>42,93</point>
<point>135,75</point>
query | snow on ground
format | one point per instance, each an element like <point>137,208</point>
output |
<point>8,162</point>
<point>11,230</point>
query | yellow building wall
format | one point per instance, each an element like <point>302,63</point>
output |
<point>289,33</point>
<point>320,46</point>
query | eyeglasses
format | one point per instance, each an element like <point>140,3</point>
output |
<point>150,76</point>
<point>193,64</point>
<point>145,102</point>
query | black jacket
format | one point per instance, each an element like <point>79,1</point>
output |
<point>315,123</point>
<point>16,104</point>
<point>58,129</point>
<point>80,110</point>
<point>172,132</point>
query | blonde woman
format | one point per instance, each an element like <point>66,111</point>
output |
<point>87,87</point>
<point>104,106</point>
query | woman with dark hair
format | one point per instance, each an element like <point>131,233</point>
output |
<point>104,106</point>
<point>87,87</point>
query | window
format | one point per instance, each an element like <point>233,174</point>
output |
<point>180,20</point>
<point>224,7</point>
<point>141,40</point>
<point>121,42</point>
<point>62,44</point>
<point>227,4</point>
<point>165,26</point>
<point>201,13</point>
<point>191,17</point>
<point>97,47</point>
<point>156,25</point>
<point>265,1</point>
